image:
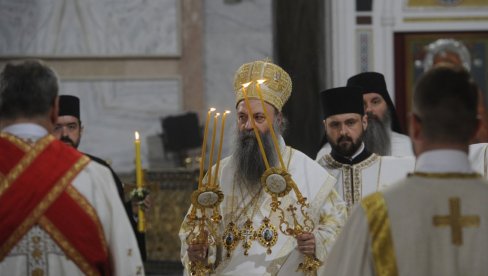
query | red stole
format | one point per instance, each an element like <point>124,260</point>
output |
<point>35,189</point>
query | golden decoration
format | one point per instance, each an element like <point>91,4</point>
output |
<point>379,228</point>
<point>444,3</point>
<point>267,235</point>
<point>277,182</point>
<point>456,221</point>
<point>277,88</point>
<point>247,235</point>
<point>207,197</point>
<point>230,238</point>
<point>37,272</point>
<point>448,175</point>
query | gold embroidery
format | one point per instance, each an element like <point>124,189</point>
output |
<point>446,175</point>
<point>38,272</point>
<point>90,211</point>
<point>456,221</point>
<point>379,228</point>
<point>17,141</point>
<point>352,185</point>
<point>68,249</point>
<point>26,160</point>
<point>41,208</point>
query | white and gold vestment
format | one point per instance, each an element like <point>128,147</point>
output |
<point>327,211</point>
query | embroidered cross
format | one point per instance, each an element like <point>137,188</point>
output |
<point>35,246</point>
<point>456,221</point>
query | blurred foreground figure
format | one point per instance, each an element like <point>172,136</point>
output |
<point>435,222</point>
<point>59,212</point>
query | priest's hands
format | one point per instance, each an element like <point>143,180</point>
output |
<point>197,252</point>
<point>306,243</point>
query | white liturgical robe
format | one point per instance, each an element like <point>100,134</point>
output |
<point>435,222</point>
<point>37,252</point>
<point>478,154</point>
<point>366,173</point>
<point>326,209</point>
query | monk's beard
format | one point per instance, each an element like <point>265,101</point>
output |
<point>345,145</point>
<point>248,161</point>
<point>377,137</point>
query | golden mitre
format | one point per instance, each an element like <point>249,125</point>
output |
<point>276,88</point>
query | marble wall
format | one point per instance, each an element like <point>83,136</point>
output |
<point>89,28</point>
<point>112,110</point>
<point>134,61</point>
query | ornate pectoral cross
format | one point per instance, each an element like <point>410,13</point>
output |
<point>456,221</point>
<point>247,235</point>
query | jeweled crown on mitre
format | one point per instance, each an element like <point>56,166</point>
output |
<point>276,88</point>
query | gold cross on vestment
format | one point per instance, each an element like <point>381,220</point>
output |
<point>456,221</point>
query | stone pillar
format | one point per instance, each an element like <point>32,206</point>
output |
<point>299,48</point>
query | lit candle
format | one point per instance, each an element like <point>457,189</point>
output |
<point>141,220</point>
<point>219,154</point>
<point>204,145</point>
<point>256,131</point>
<point>137,144</point>
<point>270,125</point>
<point>210,159</point>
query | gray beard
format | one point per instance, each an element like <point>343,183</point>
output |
<point>248,161</point>
<point>377,137</point>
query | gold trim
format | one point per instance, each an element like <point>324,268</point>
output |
<point>351,174</point>
<point>25,162</point>
<point>436,3</point>
<point>379,228</point>
<point>43,205</point>
<point>88,208</point>
<point>16,140</point>
<point>445,19</point>
<point>61,240</point>
<point>447,175</point>
<point>263,238</point>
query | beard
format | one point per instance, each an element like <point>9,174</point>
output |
<point>345,145</point>
<point>248,159</point>
<point>68,141</point>
<point>377,136</point>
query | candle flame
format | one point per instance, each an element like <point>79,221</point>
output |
<point>212,109</point>
<point>245,85</point>
<point>227,112</point>
<point>261,81</point>
<point>137,135</point>
<point>217,115</point>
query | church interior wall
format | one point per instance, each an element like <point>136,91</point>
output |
<point>364,40</point>
<point>132,64</point>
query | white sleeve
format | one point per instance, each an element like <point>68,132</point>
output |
<point>351,253</point>
<point>96,183</point>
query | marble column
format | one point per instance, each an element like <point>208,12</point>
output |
<point>299,48</point>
